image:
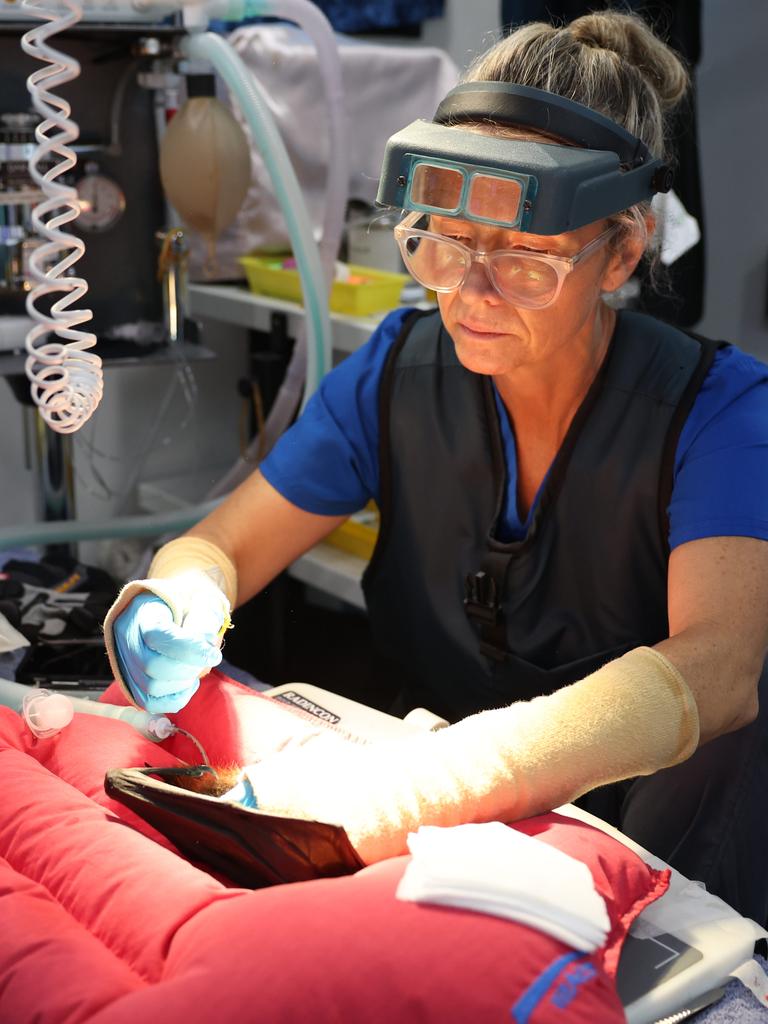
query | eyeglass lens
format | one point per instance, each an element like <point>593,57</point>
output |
<point>440,264</point>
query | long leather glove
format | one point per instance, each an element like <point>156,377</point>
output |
<point>631,717</point>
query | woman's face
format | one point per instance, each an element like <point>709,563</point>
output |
<point>493,336</point>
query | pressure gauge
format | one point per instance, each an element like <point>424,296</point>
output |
<point>102,201</point>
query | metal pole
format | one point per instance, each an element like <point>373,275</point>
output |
<point>55,479</point>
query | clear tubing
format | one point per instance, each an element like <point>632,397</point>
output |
<point>72,530</point>
<point>210,47</point>
<point>314,23</point>
<point>152,727</point>
<point>200,748</point>
<point>254,108</point>
<point>17,697</point>
<point>66,379</point>
<point>12,694</point>
<point>280,417</point>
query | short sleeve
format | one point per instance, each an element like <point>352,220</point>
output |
<point>328,461</point>
<point>720,486</point>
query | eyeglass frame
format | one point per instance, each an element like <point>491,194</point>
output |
<point>562,265</point>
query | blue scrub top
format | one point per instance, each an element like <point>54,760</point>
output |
<point>327,462</point>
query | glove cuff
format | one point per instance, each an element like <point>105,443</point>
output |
<point>184,571</point>
<point>186,553</point>
<point>634,716</point>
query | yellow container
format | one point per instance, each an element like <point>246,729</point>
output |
<point>369,291</point>
<point>359,534</point>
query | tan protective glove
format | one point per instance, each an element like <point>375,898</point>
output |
<point>631,717</point>
<point>157,653</point>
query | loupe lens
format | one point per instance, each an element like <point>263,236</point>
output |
<point>494,199</point>
<point>437,188</point>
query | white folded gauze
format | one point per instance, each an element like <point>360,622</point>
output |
<point>494,869</point>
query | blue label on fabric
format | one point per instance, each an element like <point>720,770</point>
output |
<point>568,973</point>
<point>569,987</point>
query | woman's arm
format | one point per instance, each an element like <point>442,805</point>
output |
<point>330,455</point>
<point>261,532</point>
<point>636,715</point>
<point>718,626</point>
<point>643,712</point>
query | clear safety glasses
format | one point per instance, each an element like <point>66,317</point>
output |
<point>526,279</point>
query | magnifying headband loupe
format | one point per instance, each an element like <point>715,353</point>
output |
<point>538,187</point>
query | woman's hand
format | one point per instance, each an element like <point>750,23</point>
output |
<point>160,662</point>
<point>162,634</point>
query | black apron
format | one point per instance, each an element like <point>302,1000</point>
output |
<point>478,623</point>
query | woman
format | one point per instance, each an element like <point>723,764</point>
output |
<point>572,564</point>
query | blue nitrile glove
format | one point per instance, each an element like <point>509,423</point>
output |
<point>242,794</point>
<point>161,662</point>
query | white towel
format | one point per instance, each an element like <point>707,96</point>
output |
<point>496,870</point>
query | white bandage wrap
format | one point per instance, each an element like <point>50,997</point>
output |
<point>631,717</point>
<point>186,573</point>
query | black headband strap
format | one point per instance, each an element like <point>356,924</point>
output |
<point>510,104</point>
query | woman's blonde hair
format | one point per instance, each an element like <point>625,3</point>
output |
<point>611,62</point>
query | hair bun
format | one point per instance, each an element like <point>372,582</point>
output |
<point>628,36</point>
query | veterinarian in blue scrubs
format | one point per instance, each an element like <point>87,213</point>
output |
<point>572,564</point>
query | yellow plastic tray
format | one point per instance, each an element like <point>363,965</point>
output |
<point>379,290</point>
<point>359,534</point>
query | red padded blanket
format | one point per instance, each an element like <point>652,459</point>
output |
<point>103,921</point>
